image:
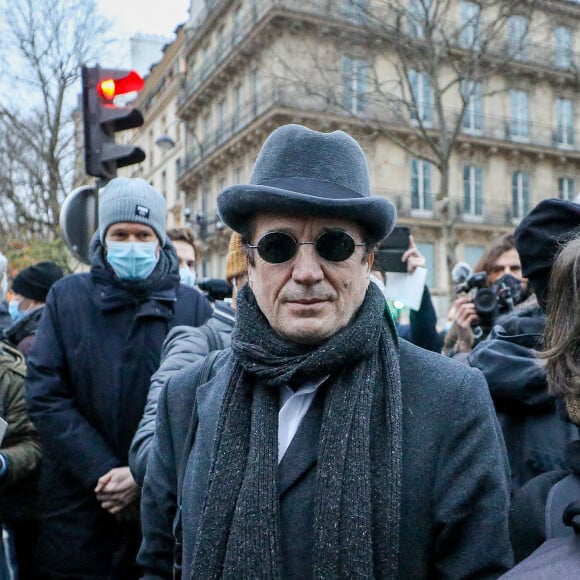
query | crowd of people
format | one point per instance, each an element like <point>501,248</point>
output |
<point>294,430</point>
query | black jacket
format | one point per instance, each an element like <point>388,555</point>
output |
<point>97,345</point>
<point>454,491</point>
<point>528,510</point>
<point>535,432</point>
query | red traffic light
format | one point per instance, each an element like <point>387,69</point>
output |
<point>110,88</point>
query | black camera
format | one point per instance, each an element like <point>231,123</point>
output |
<point>215,288</point>
<point>497,299</point>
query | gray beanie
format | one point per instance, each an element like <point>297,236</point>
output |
<point>126,199</point>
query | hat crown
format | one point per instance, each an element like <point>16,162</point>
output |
<point>35,281</point>
<point>295,153</point>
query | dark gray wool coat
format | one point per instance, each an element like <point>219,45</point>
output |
<point>455,495</point>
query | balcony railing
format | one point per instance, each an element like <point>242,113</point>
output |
<point>536,54</point>
<point>294,97</point>
<point>498,214</point>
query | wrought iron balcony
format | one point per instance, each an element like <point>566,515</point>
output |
<point>544,56</point>
<point>284,96</point>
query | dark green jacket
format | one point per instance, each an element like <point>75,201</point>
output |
<point>20,446</point>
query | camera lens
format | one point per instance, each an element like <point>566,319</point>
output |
<point>485,301</point>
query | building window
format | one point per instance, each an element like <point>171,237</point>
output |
<point>254,10</point>
<point>238,102</point>
<point>520,115</point>
<point>421,190</point>
<point>473,114</point>
<point>238,25</point>
<point>566,189</point>
<point>221,44</point>
<point>473,190</point>
<point>238,175</point>
<point>354,84</point>
<point>255,88</point>
<point>422,95</point>
<point>565,123</point>
<point>418,17</point>
<point>205,202</point>
<point>355,10</point>
<point>472,254</point>
<point>205,62</point>
<point>562,47</point>
<point>427,250</point>
<point>518,37</point>
<point>520,194</point>
<point>221,120</point>
<point>206,122</point>
<point>470,25</point>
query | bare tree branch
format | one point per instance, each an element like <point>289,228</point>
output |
<point>47,42</point>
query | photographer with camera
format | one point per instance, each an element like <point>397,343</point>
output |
<point>534,430</point>
<point>495,288</point>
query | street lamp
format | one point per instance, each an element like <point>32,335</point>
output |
<point>166,143</point>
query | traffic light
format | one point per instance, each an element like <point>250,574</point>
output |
<point>102,119</point>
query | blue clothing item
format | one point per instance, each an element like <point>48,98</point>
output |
<point>97,345</point>
<point>14,310</point>
<point>5,318</point>
<point>132,260</point>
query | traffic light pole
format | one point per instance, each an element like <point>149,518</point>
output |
<point>102,119</point>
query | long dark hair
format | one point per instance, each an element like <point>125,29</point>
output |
<point>562,331</point>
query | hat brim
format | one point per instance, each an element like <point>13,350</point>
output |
<point>238,204</point>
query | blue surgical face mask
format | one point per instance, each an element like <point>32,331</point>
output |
<point>132,260</point>
<point>188,277</point>
<point>13,309</point>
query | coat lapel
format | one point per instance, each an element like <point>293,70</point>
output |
<point>302,453</point>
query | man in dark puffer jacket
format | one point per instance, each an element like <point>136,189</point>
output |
<point>97,345</point>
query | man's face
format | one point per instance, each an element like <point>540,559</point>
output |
<point>308,299</point>
<point>507,263</point>
<point>185,254</point>
<point>131,232</point>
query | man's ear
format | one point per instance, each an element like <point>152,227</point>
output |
<point>371,260</point>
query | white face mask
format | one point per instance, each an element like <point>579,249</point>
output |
<point>188,277</point>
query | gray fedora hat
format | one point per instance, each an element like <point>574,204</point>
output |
<point>300,171</point>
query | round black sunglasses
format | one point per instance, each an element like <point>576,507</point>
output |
<point>279,247</point>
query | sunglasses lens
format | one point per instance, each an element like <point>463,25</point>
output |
<point>276,247</point>
<point>335,246</point>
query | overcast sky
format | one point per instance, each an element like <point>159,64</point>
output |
<point>153,17</point>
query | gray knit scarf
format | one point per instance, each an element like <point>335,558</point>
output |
<point>358,489</point>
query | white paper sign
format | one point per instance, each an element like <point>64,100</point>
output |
<point>407,288</point>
